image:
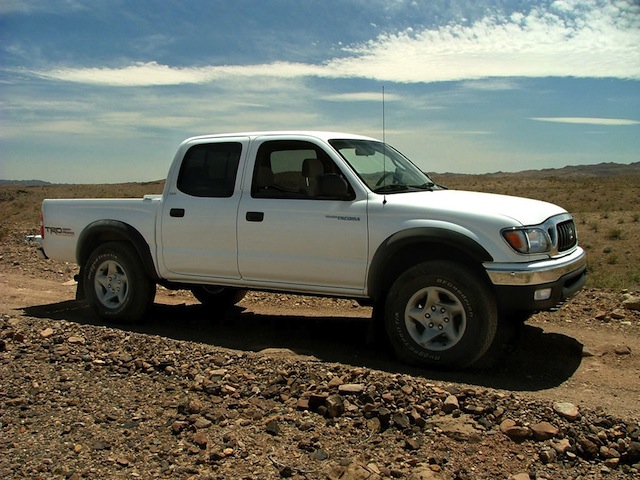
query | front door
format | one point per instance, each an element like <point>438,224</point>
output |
<point>302,224</point>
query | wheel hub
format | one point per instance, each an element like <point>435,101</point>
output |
<point>435,318</point>
<point>111,284</point>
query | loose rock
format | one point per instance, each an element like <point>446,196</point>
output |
<point>450,404</point>
<point>567,410</point>
<point>544,431</point>
<point>631,302</point>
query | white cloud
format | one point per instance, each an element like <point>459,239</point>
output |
<point>231,104</point>
<point>576,38</point>
<point>588,121</point>
<point>362,97</point>
<point>599,40</point>
<point>153,74</point>
<point>491,84</point>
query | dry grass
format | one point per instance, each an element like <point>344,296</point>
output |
<point>606,210</point>
<point>20,206</point>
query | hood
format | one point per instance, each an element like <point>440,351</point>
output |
<point>524,211</point>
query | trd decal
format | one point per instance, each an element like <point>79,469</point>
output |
<point>63,231</point>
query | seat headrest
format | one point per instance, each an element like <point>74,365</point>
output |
<point>265,177</point>
<point>312,167</point>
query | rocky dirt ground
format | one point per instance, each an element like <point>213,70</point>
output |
<point>286,387</point>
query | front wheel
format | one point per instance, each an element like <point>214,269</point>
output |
<point>439,313</point>
<point>115,283</point>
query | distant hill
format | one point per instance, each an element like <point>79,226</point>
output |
<point>25,183</point>
<point>575,171</point>
<point>598,170</point>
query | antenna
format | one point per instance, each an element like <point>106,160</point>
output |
<point>384,147</point>
<point>384,141</point>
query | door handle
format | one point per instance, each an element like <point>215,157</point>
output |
<point>255,216</point>
<point>176,212</point>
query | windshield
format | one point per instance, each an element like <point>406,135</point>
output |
<point>381,167</point>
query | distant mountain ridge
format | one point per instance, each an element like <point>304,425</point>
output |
<point>608,169</point>
<point>25,183</point>
<point>599,170</point>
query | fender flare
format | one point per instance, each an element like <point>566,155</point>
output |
<point>454,244</point>
<point>102,231</point>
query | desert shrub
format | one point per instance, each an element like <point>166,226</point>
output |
<point>615,234</point>
<point>636,217</point>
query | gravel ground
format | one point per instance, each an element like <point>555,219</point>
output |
<point>89,401</point>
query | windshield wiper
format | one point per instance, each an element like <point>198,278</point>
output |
<point>400,187</point>
<point>425,186</point>
<point>392,188</point>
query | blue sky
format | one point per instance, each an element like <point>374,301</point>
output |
<point>103,91</point>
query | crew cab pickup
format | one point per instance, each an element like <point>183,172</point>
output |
<point>329,214</point>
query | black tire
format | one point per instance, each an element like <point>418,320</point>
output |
<point>218,297</point>
<point>507,334</point>
<point>439,313</point>
<point>116,285</point>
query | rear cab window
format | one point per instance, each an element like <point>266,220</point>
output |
<point>210,169</point>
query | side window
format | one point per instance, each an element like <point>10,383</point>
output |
<point>209,169</point>
<point>297,169</point>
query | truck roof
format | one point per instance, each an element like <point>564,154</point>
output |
<point>323,135</point>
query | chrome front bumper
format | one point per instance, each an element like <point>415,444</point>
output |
<point>540,285</point>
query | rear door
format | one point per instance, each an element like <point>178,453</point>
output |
<point>291,231</point>
<point>198,224</point>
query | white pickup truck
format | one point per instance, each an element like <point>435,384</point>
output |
<point>329,214</point>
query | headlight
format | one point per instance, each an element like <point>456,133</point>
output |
<point>528,240</point>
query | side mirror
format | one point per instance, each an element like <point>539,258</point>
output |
<point>333,185</point>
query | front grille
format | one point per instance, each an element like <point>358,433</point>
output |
<point>567,236</point>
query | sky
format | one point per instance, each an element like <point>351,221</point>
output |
<point>103,91</point>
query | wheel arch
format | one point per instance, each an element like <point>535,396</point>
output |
<point>409,247</point>
<point>103,231</point>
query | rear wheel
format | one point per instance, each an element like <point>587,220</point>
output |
<point>115,283</point>
<point>440,313</point>
<point>218,297</point>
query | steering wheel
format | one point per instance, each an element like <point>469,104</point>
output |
<point>384,177</point>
